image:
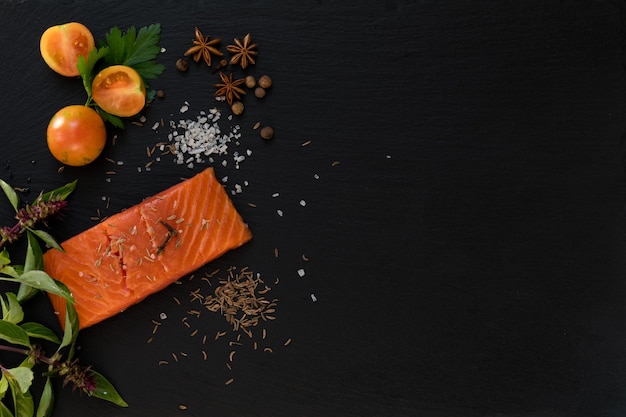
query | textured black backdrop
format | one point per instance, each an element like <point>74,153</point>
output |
<point>466,253</point>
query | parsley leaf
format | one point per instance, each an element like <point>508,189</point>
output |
<point>86,68</point>
<point>136,50</point>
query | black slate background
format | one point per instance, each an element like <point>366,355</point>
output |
<point>466,252</point>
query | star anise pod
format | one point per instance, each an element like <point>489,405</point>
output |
<point>229,88</point>
<point>243,52</point>
<point>203,47</point>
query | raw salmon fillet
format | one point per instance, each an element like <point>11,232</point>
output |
<point>143,249</point>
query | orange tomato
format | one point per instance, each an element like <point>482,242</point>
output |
<point>61,45</point>
<point>119,90</point>
<point>76,135</point>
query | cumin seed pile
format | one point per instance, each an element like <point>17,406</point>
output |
<point>240,298</point>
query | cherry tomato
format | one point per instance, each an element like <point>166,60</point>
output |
<point>119,90</point>
<point>61,45</point>
<point>76,135</point>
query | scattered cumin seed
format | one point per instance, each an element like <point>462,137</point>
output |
<point>287,342</point>
<point>110,172</point>
<point>137,123</point>
<point>163,362</point>
<point>175,357</point>
<point>183,354</point>
<point>182,407</point>
<point>335,163</point>
<point>231,355</point>
<point>305,258</point>
<point>256,125</point>
<point>195,332</point>
<point>275,252</point>
<point>268,349</point>
<point>307,143</point>
<point>252,205</point>
<point>61,168</point>
<point>150,340</point>
<point>264,334</point>
<point>230,381</point>
<point>204,355</point>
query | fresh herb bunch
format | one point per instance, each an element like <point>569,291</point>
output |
<point>137,50</point>
<point>26,338</point>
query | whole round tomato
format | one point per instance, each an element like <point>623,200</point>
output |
<point>61,45</point>
<point>76,135</point>
<point>119,90</point>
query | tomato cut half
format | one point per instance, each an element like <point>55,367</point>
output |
<point>76,135</point>
<point>119,90</point>
<point>61,45</point>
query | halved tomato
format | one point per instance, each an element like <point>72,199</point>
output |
<point>76,135</point>
<point>61,45</point>
<point>119,90</point>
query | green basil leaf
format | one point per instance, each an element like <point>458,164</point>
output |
<point>43,281</point>
<point>33,261</point>
<point>71,330</point>
<point>4,411</point>
<point>39,331</point>
<point>60,193</point>
<point>5,259</point>
<point>10,271</point>
<point>12,312</point>
<point>46,402</point>
<point>23,401</point>
<point>14,334</point>
<point>47,237</point>
<point>4,386</point>
<point>34,255</point>
<point>105,390</point>
<point>23,376</point>
<point>11,194</point>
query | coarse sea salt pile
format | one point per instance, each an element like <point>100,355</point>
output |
<point>199,140</point>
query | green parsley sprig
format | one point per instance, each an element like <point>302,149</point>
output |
<point>136,49</point>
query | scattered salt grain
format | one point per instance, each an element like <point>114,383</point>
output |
<point>313,297</point>
<point>155,126</point>
<point>302,203</point>
<point>317,177</point>
<point>162,316</point>
<point>301,272</point>
<point>275,195</point>
<point>279,212</point>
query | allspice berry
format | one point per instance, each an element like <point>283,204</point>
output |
<point>237,108</point>
<point>182,64</point>
<point>259,92</point>
<point>267,132</point>
<point>160,93</point>
<point>250,81</point>
<point>265,81</point>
